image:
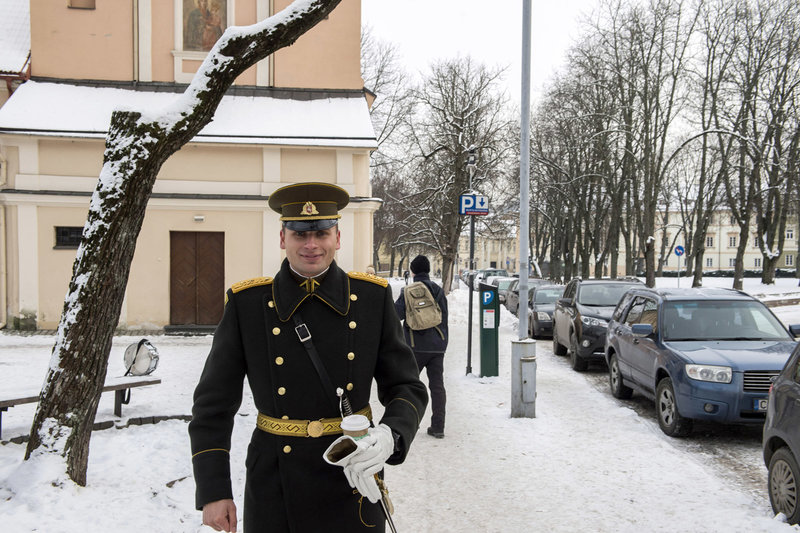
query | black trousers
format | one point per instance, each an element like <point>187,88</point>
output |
<point>433,363</point>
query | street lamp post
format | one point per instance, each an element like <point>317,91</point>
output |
<point>471,161</point>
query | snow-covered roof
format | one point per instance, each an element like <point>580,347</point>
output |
<point>64,110</point>
<point>15,35</point>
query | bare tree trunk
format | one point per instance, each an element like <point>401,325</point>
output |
<point>136,147</point>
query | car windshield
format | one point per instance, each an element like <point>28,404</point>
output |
<point>720,320</point>
<point>547,296</point>
<point>503,284</point>
<point>602,294</point>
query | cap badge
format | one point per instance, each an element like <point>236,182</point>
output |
<point>309,209</point>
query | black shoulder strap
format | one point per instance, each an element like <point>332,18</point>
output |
<point>305,338</point>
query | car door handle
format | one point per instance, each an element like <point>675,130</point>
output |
<point>635,341</point>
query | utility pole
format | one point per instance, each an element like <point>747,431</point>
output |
<point>471,161</point>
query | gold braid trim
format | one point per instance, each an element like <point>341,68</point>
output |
<point>414,407</point>
<point>383,282</point>
<point>248,283</point>
<point>211,450</point>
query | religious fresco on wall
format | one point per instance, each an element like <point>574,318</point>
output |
<point>203,23</point>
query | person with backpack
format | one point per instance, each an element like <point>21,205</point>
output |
<point>422,306</point>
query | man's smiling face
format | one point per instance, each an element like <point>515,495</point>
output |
<point>310,252</point>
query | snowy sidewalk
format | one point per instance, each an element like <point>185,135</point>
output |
<point>585,463</point>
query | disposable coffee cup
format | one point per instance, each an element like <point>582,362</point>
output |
<point>355,426</point>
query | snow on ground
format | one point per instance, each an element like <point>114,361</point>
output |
<point>587,462</point>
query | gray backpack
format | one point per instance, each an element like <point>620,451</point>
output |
<point>422,311</point>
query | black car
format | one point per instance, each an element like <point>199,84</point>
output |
<point>581,317</point>
<point>512,293</point>
<point>541,305</point>
<point>700,354</point>
<point>781,443</point>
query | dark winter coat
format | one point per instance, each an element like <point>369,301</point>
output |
<point>427,340</point>
<point>358,337</point>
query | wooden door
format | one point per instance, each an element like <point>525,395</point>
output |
<point>197,277</point>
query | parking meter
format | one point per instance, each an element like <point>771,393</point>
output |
<point>489,324</point>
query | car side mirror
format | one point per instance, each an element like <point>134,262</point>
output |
<point>794,329</point>
<point>566,302</point>
<point>642,330</point>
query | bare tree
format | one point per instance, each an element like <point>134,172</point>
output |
<point>459,106</point>
<point>137,145</point>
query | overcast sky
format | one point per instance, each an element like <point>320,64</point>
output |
<point>427,30</point>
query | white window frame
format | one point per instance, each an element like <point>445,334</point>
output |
<point>732,241</point>
<point>731,261</point>
<point>179,54</point>
<point>788,260</point>
<point>757,262</point>
<point>709,241</point>
<point>709,262</point>
<point>790,234</point>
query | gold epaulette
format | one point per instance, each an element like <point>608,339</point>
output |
<point>252,282</point>
<point>369,277</point>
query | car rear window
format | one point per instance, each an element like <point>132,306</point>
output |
<point>720,320</point>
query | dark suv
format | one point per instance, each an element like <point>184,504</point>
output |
<point>581,317</point>
<point>781,444</point>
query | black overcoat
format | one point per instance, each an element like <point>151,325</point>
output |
<point>357,334</point>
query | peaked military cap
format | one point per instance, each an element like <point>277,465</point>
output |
<point>309,206</point>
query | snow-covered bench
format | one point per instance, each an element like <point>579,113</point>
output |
<point>120,385</point>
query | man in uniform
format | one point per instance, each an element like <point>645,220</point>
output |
<point>278,332</point>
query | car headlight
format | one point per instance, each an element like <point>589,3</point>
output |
<point>541,315</point>
<point>594,322</point>
<point>717,374</point>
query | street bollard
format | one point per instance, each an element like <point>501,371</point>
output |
<point>523,378</point>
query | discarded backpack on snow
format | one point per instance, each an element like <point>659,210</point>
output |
<point>141,358</point>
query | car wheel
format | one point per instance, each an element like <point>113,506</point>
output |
<point>558,348</point>
<point>782,481</point>
<point>669,419</point>
<point>618,389</point>
<point>578,363</point>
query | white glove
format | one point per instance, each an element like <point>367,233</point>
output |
<point>368,459</point>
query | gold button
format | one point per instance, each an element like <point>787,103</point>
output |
<point>352,325</point>
<point>281,390</point>
<point>349,386</point>
<point>287,449</point>
<point>279,361</point>
<point>271,303</point>
<point>276,331</point>
<point>351,356</point>
<point>315,429</point>
<point>285,417</point>
<point>353,297</point>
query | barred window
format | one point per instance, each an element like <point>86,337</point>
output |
<point>68,236</point>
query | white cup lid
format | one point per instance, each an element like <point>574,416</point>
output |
<point>355,423</point>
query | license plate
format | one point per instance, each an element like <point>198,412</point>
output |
<point>760,404</point>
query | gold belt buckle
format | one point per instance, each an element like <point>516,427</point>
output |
<point>315,429</point>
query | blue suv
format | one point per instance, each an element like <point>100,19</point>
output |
<point>705,354</point>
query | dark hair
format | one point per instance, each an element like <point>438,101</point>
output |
<point>420,265</point>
